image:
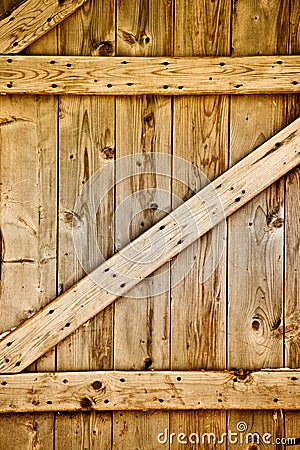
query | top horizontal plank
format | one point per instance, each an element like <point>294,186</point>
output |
<point>137,76</point>
<point>29,21</point>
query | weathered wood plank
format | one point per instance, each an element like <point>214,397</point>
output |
<point>141,75</point>
<point>143,341</point>
<point>24,24</point>
<point>86,144</point>
<point>200,136</point>
<point>255,233</point>
<point>160,390</point>
<point>291,325</point>
<point>156,246</point>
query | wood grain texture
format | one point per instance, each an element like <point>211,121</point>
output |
<point>142,324</point>
<point>256,234</point>
<point>86,126</point>
<point>30,20</point>
<point>31,233</point>
<point>200,136</point>
<point>235,188</point>
<point>140,390</point>
<point>138,75</point>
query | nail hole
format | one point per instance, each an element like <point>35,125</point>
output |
<point>160,400</point>
<point>294,378</point>
<point>109,85</point>
<point>165,86</point>
<point>210,78</point>
<point>49,402</point>
<point>95,81</point>
<point>180,87</point>
<point>238,85</point>
<point>235,380</point>
<point>51,311</point>
<point>294,83</point>
<point>18,363</point>
<point>122,285</point>
<point>279,62</point>
<point>9,61</point>
<point>4,383</point>
<point>69,65</point>
<point>142,224</point>
<point>106,401</point>
<point>7,360</point>
<point>147,40</point>
<point>243,191</point>
<point>250,224</point>
<point>15,44</point>
<point>9,344</point>
<point>124,62</point>
<point>9,85</point>
<point>67,325</point>
<point>222,64</point>
<point>179,242</point>
<point>165,63</point>
<point>138,163</point>
<point>162,227</point>
<point>54,86</point>
<point>106,269</point>
<point>278,144</point>
<point>220,400</point>
<point>178,378</point>
<point>49,19</point>
<point>52,62</point>
<point>231,188</point>
<point>114,275</point>
<point>238,199</point>
<point>122,380</point>
<point>276,400</point>
<point>129,84</point>
<point>65,381</point>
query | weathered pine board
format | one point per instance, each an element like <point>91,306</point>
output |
<point>292,240</point>
<point>255,239</point>
<point>142,75</point>
<point>200,130</point>
<point>141,326</point>
<point>29,157</point>
<point>27,22</point>
<point>156,246</point>
<point>86,137</point>
<point>143,390</point>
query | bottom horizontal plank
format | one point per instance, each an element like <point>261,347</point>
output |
<point>102,391</point>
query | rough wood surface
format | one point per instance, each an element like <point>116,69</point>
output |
<point>200,136</point>
<point>86,137</point>
<point>178,230</point>
<point>142,325</point>
<point>255,234</point>
<point>136,76</point>
<point>24,24</point>
<point>127,390</point>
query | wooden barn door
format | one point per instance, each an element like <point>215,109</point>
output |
<point>245,315</point>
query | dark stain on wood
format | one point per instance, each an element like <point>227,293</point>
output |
<point>86,403</point>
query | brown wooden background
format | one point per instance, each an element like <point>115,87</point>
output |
<point>247,315</point>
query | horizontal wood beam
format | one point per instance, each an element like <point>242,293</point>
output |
<point>155,247</point>
<point>21,26</point>
<point>101,391</point>
<point>137,75</point>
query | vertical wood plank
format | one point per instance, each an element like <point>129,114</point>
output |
<point>86,144</point>
<point>292,240</point>
<point>28,210</point>
<point>255,240</point>
<point>198,314</point>
<point>144,28</point>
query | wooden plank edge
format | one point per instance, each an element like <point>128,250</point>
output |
<point>171,235</point>
<point>159,390</point>
<point>24,24</point>
<point>149,75</point>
